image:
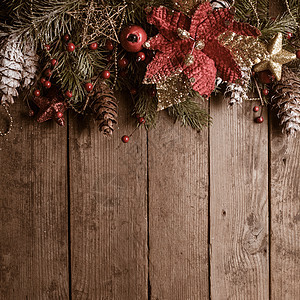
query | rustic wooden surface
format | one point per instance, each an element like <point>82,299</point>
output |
<point>174,214</point>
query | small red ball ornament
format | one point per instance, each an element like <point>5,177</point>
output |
<point>259,120</point>
<point>59,115</point>
<point>37,93</point>
<point>68,94</point>
<point>42,80</point>
<point>256,108</point>
<point>47,84</point>
<point>93,46</point>
<point>298,54</point>
<point>265,77</point>
<point>265,92</point>
<point>132,38</point>
<point>48,72</point>
<point>88,87</point>
<point>105,74</point>
<point>125,139</point>
<point>133,91</point>
<point>47,47</point>
<point>66,37</point>
<point>71,47</point>
<point>53,62</point>
<point>123,63</point>
<point>31,113</point>
<point>109,45</point>
<point>142,120</point>
<point>140,56</point>
<point>289,35</point>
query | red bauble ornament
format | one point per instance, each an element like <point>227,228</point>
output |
<point>256,108</point>
<point>88,87</point>
<point>298,54</point>
<point>42,80</point>
<point>68,94</point>
<point>53,62</point>
<point>123,63</point>
<point>133,91</point>
<point>37,93</point>
<point>265,77</point>
<point>71,47</point>
<point>66,37</point>
<point>289,35</point>
<point>48,72</point>
<point>109,45</point>
<point>93,46</point>
<point>31,113</point>
<point>259,119</point>
<point>59,114</point>
<point>265,92</point>
<point>105,74</point>
<point>125,139</point>
<point>47,47</point>
<point>142,120</point>
<point>140,56</point>
<point>47,84</point>
<point>132,38</point>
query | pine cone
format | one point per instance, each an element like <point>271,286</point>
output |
<point>105,108</point>
<point>11,68</point>
<point>286,98</point>
<point>237,92</point>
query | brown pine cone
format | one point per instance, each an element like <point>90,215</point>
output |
<point>105,108</point>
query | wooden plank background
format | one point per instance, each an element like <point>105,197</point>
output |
<point>174,214</point>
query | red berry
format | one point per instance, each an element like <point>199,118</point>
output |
<point>123,63</point>
<point>68,94</point>
<point>88,87</point>
<point>253,73</point>
<point>142,120</point>
<point>298,54</point>
<point>105,74</point>
<point>133,91</point>
<point>289,35</point>
<point>59,114</point>
<point>93,46</point>
<point>47,47</point>
<point>125,139</point>
<point>53,62</point>
<point>42,80</point>
<point>140,56</point>
<point>37,93</point>
<point>132,38</point>
<point>30,113</point>
<point>265,92</point>
<point>71,47</point>
<point>47,84</point>
<point>48,72</point>
<point>109,45</point>
<point>259,119</point>
<point>265,77</point>
<point>256,108</point>
<point>66,37</point>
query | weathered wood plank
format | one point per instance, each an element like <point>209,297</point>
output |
<point>285,215</point>
<point>239,203</point>
<point>108,211</point>
<point>178,212</point>
<point>34,215</point>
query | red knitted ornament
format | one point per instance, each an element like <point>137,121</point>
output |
<point>204,27</point>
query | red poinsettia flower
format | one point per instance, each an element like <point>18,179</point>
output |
<point>191,46</point>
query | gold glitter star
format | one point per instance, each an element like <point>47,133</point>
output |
<point>276,58</point>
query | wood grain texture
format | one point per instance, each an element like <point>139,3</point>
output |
<point>33,199</point>
<point>178,212</point>
<point>239,203</point>
<point>285,215</point>
<point>108,211</point>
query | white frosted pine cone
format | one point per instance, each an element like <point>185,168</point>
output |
<point>216,4</point>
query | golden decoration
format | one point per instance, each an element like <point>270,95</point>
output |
<point>189,60</point>
<point>174,90</point>
<point>183,34</point>
<point>200,45</point>
<point>276,58</point>
<point>187,6</point>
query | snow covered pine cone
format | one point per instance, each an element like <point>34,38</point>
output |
<point>216,4</point>
<point>286,98</point>
<point>17,68</point>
